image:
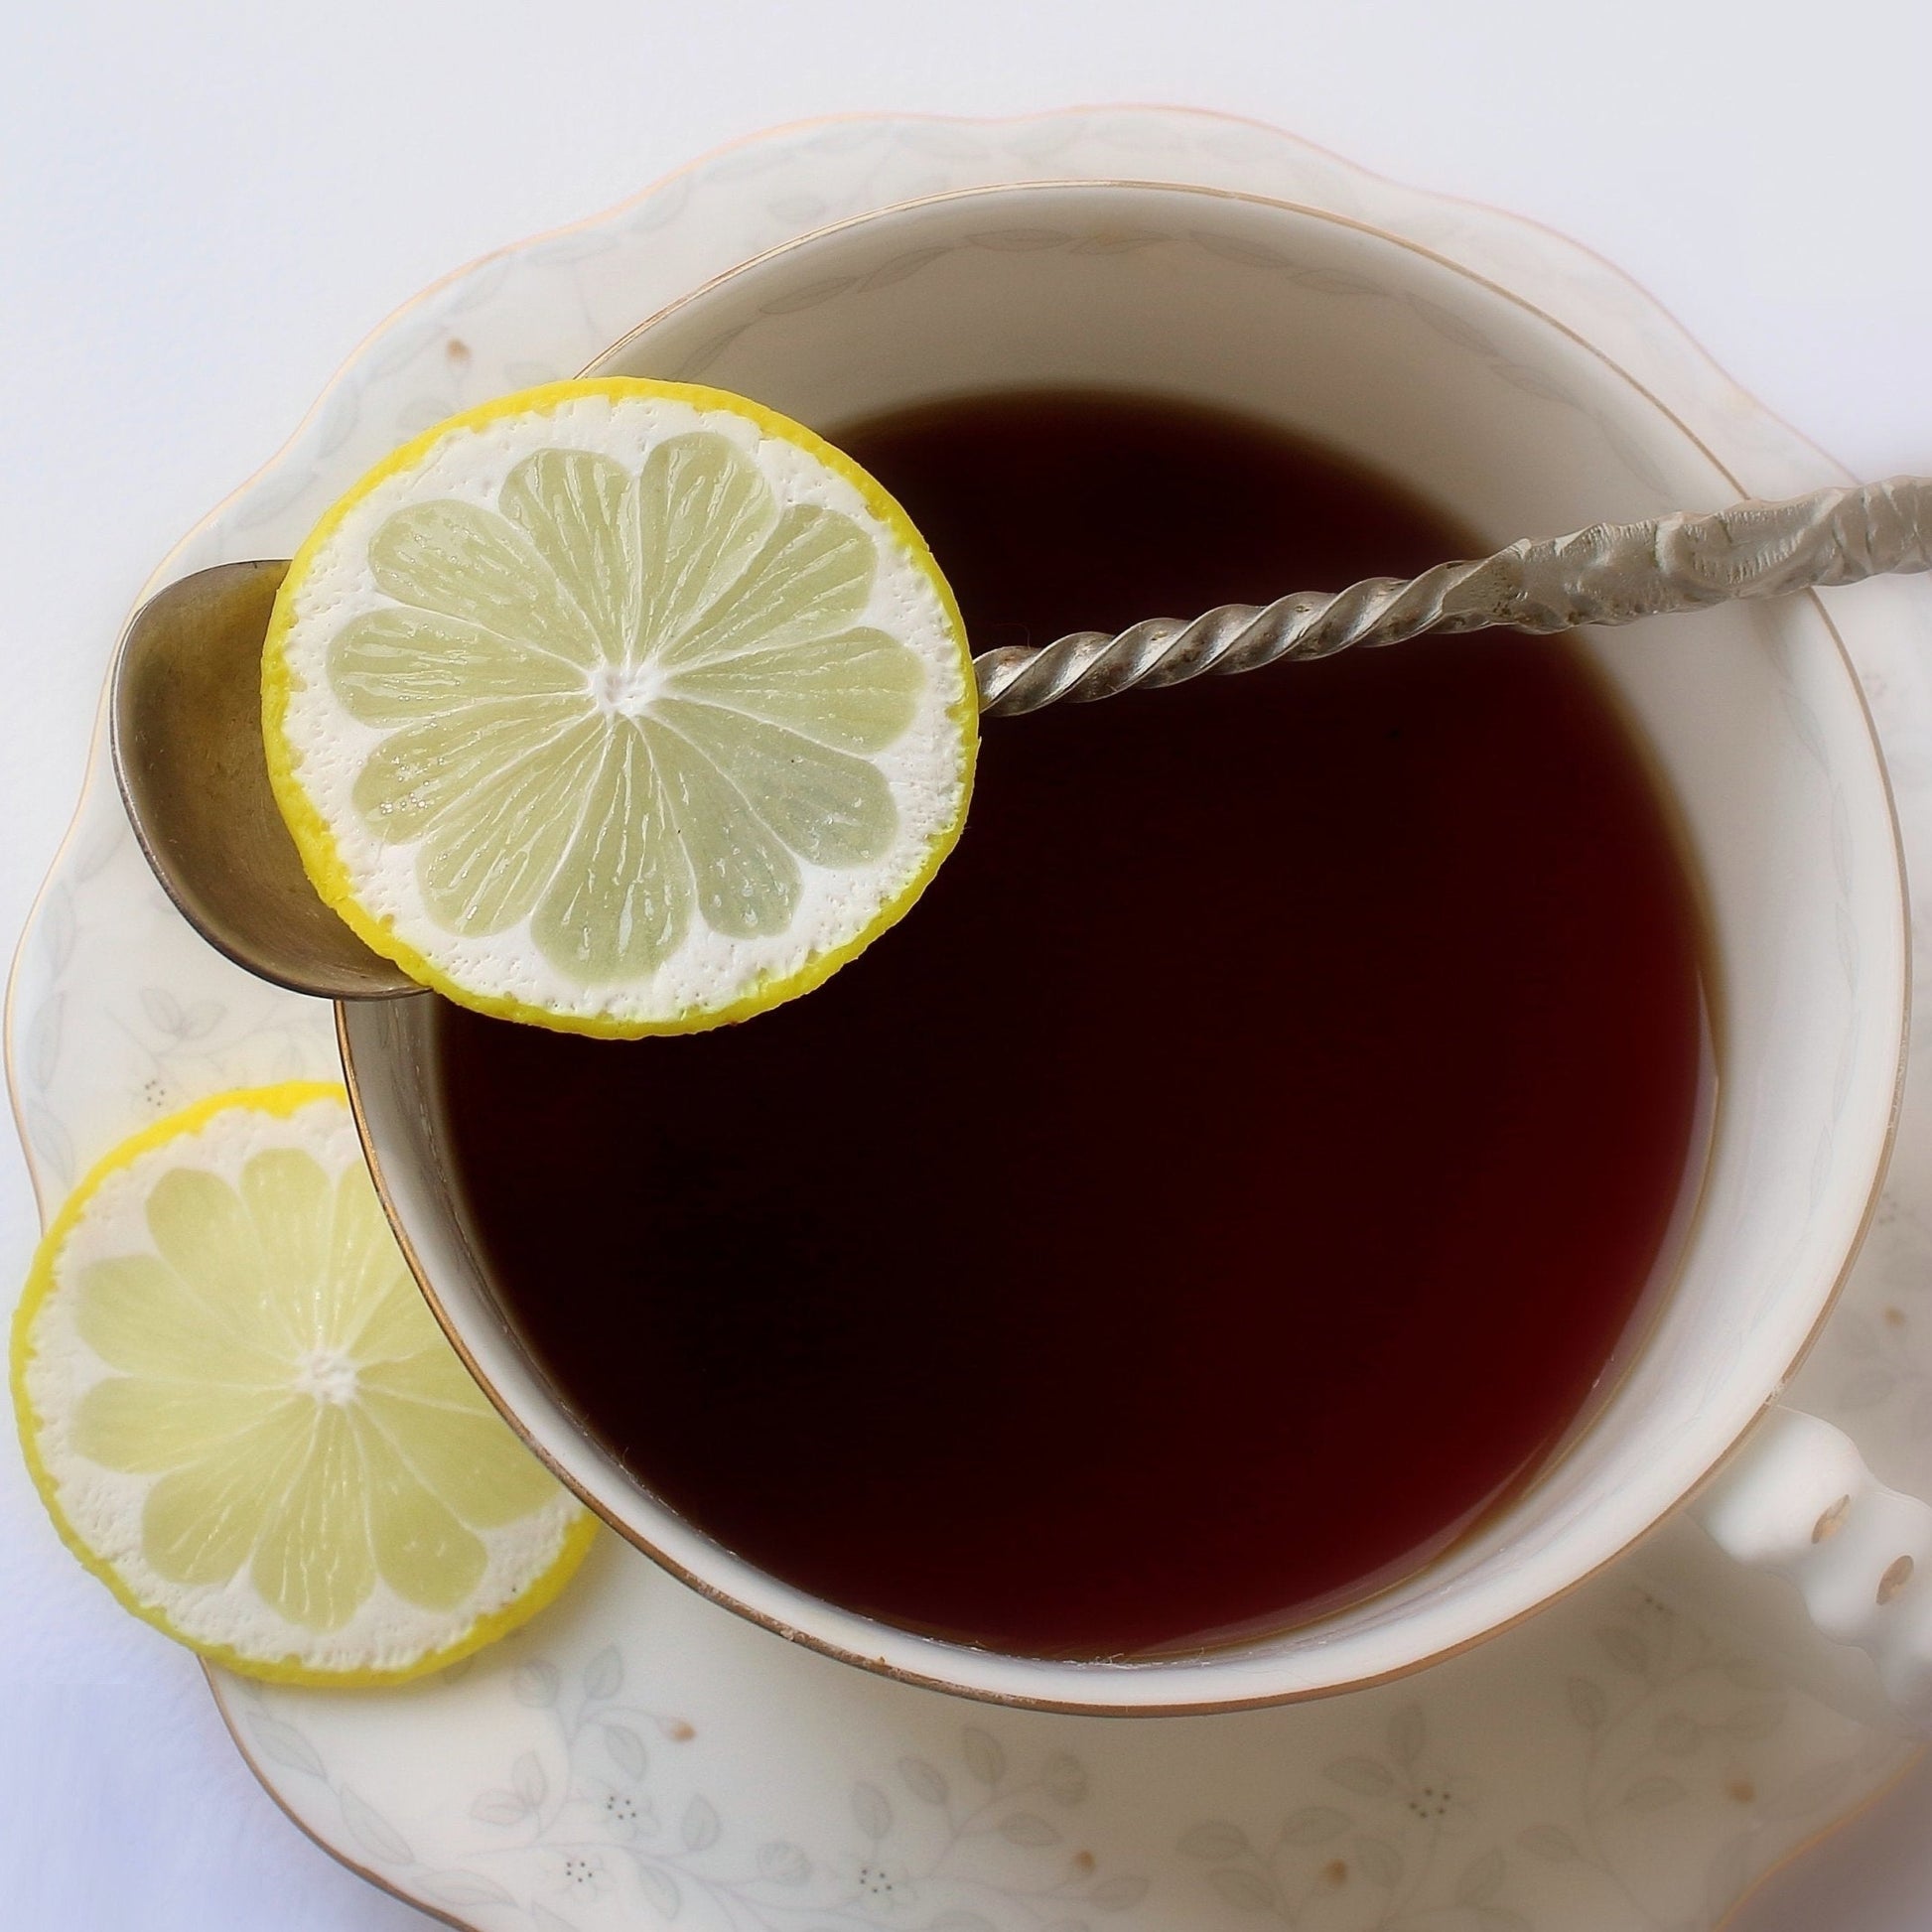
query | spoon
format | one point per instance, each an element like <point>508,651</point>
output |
<point>186,713</point>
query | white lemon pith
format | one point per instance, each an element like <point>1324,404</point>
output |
<point>625,707</point>
<point>244,1417</point>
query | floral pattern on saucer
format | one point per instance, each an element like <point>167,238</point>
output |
<point>963,1841</point>
<point>639,1759</point>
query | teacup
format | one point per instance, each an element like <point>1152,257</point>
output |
<point>1470,397</point>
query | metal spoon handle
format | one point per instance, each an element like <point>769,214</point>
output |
<point>186,723</point>
<point>1611,573</point>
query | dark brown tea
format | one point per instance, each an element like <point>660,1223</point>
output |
<point>1232,1176</point>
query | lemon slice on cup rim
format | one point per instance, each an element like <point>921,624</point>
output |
<point>242,1417</point>
<point>622,707</point>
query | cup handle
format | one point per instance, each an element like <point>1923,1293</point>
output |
<point>1798,1500</point>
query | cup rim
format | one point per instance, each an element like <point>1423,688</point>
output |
<point>880,1666</point>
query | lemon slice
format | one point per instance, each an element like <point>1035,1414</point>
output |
<point>244,1419</point>
<point>620,707</point>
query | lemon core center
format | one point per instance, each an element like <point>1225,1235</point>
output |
<point>626,690</point>
<point>327,1374</point>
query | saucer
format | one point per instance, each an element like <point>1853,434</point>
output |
<point>1636,1757</point>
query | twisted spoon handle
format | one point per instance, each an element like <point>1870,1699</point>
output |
<point>1611,573</point>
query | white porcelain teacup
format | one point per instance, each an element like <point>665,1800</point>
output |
<point>1473,399</point>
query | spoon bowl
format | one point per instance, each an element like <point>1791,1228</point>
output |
<point>186,736</point>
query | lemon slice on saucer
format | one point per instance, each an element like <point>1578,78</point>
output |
<point>244,1419</point>
<point>620,707</point>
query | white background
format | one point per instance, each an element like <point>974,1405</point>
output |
<point>204,207</point>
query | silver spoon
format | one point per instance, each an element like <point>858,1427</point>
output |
<point>187,681</point>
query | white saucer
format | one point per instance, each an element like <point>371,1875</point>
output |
<point>1638,1756</point>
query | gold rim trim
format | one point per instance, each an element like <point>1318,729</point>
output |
<point>877,1665</point>
<point>1805,1847</point>
<point>232,1725</point>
